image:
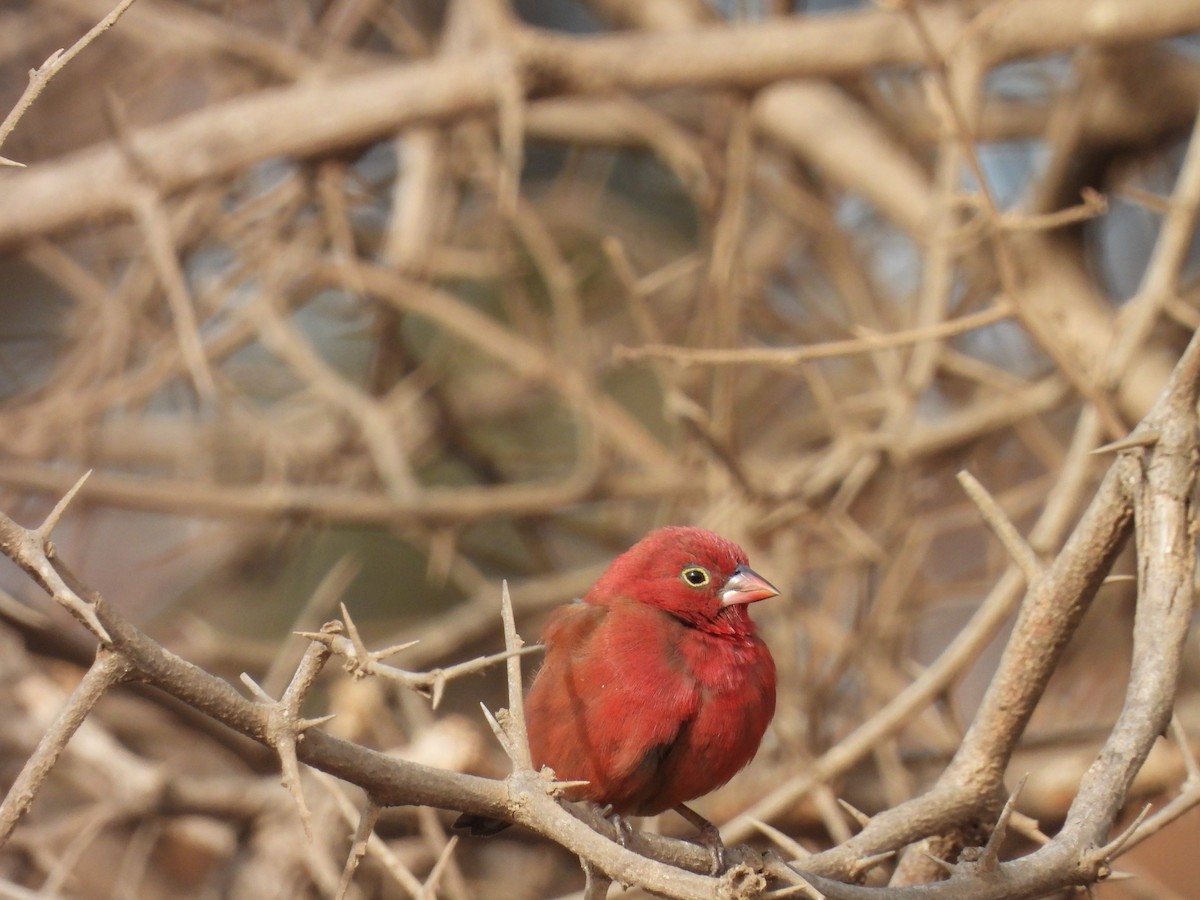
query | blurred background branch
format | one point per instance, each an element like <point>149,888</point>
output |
<point>378,302</point>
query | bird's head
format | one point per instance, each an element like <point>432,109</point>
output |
<point>695,575</point>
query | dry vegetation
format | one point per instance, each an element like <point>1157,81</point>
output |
<point>356,308</point>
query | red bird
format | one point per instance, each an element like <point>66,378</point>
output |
<point>655,689</point>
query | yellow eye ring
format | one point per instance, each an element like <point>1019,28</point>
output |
<point>695,576</point>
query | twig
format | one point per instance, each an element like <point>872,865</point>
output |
<point>1160,282</point>
<point>429,889</point>
<point>40,77</point>
<point>152,219</point>
<point>285,724</point>
<point>328,591</point>
<point>375,845</point>
<point>358,846</point>
<point>108,669</point>
<point>513,645</point>
<point>31,551</point>
<point>1003,527</point>
<point>432,684</point>
<point>790,356</point>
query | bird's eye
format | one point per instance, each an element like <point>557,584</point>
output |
<point>695,576</point>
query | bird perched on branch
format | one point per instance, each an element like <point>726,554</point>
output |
<point>655,689</point>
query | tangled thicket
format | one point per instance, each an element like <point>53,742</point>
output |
<point>380,302</point>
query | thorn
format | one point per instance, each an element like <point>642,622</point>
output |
<point>1146,438</point>
<point>419,689</point>
<point>949,867</point>
<point>393,650</point>
<point>867,863</point>
<point>801,889</point>
<point>439,688</point>
<point>784,842</point>
<point>1117,875</point>
<point>990,858</point>
<point>43,530</point>
<point>558,788</point>
<point>1119,579</point>
<point>497,730</point>
<point>255,689</point>
<point>4,161</point>
<point>305,724</point>
<point>319,636</point>
<point>1113,848</point>
<point>88,613</point>
<point>855,813</point>
<point>360,649</point>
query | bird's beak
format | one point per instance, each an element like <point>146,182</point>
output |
<point>745,586</point>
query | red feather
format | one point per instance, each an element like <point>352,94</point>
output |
<point>655,690</point>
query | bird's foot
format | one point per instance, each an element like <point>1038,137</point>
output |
<point>709,838</point>
<point>620,823</point>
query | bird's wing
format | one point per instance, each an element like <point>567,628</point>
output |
<point>610,701</point>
